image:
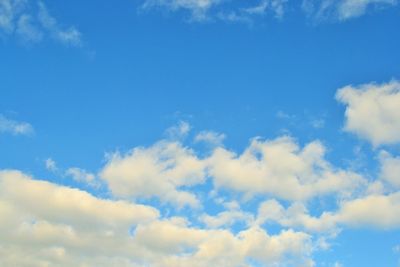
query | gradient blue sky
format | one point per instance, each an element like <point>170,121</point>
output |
<point>88,89</point>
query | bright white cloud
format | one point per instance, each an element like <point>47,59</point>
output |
<point>14,127</point>
<point>158,171</point>
<point>376,211</point>
<point>31,22</point>
<point>227,218</point>
<point>372,111</point>
<point>280,168</point>
<point>60,226</point>
<point>274,167</point>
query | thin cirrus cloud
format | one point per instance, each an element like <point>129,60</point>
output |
<point>14,127</point>
<point>31,22</point>
<point>318,10</point>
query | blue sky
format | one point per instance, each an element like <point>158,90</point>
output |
<point>199,133</point>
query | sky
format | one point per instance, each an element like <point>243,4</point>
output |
<point>175,133</point>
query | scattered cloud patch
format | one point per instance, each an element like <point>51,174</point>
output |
<point>31,22</point>
<point>342,10</point>
<point>238,11</point>
<point>15,127</point>
<point>51,165</point>
<point>210,137</point>
<point>211,10</point>
<point>82,176</point>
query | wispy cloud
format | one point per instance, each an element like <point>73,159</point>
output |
<point>15,127</point>
<point>31,22</point>
<point>341,10</point>
<point>242,11</point>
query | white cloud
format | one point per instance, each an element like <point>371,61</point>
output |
<point>70,36</point>
<point>158,171</point>
<point>239,11</point>
<point>228,218</point>
<point>178,131</point>
<point>14,127</point>
<point>390,169</point>
<point>201,10</point>
<point>342,9</point>
<point>275,167</point>
<point>60,226</point>
<point>370,211</point>
<point>280,168</point>
<point>210,137</point>
<point>30,21</point>
<point>201,248</point>
<point>51,165</point>
<point>372,111</point>
<point>82,176</point>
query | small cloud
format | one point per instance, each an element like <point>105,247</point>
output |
<point>15,127</point>
<point>82,176</point>
<point>283,115</point>
<point>210,137</point>
<point>318,123</point>
<point>179,131</point>
<point>70,36</point>
<point>51,165</point>
<point>396,249</point>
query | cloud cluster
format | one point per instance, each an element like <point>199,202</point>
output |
<point>371,211</point>
<point>31,22</point>
<point>44,224</point>
<point>277,168</point>
<point>56,225</point>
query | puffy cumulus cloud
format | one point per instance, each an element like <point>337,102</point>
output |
<point>379,211</point>
<point>30,21</point>
<point>372,111</point>
<point>295,216</point>
<point>14,127</point>
<point>181,245</point>
<point>281,168</point>
<point>160,170</point>
<point>229,217</point>
<point>372,211</point>
<point>50,202</point>
<point>342,9</point>
<point>274,167</point>
<point>60,226</point>
<point>390,168</point>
